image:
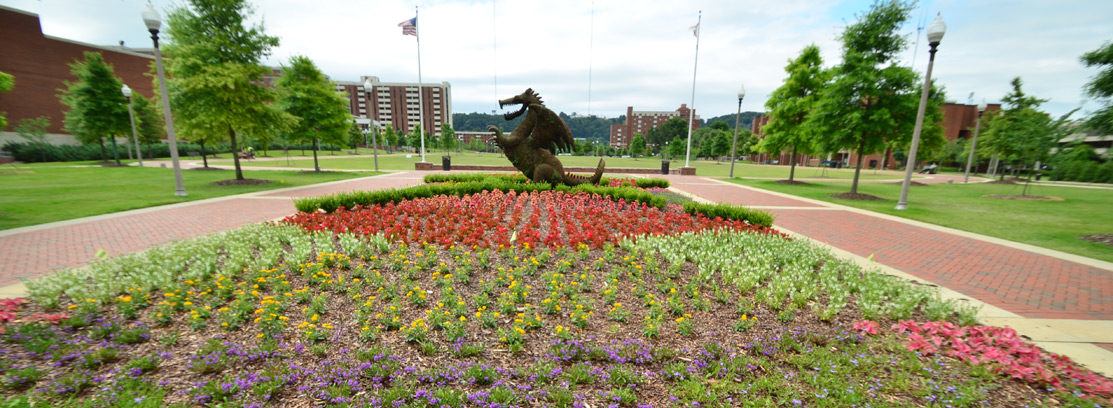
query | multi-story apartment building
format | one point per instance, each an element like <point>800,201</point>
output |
<point>396,103</point>
<point>640,122</point>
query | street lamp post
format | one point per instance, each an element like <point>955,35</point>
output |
<point>734,146</point>
<point>934,34</point>
<point>131,115</point>
<point>367,87</point>
<point>974,143</point>
<point>153,21</point>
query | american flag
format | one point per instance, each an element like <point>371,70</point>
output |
<point>409,27</point>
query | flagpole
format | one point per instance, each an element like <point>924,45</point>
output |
<point>420,92</point>
<point>692,107</point>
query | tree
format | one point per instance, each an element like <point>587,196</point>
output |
<point>667,131</point>
<point>214,72</point>
<point>476,145</point>
<point>1021,131</point>
<point>392,139</point>
<point>414,138</point>
<point>7,82</point>
<point>307,94</point>
<point>677,147</point>
<point>872,101</point>
<point>1101,88</point>
<point>952,152</point>
<point>148,121</point>
<point>355,135</point>
<point>34,131</point>
<point>448,138</point>
<point>789,106</point>
<point>97,108</point>
<point>637,145</point>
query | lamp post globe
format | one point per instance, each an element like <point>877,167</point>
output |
<point>737,116</point>
<point>153,21</point>
<point>934,34</point>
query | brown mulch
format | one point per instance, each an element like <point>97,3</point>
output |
<point>1106,239</point>
<point>207,169</point>
<point>913,183</point>
<point>857,196</point>
<point>791,182</point>
<point>244,182</point>
<point>1022,197</point>
<point>1001,182</point>
<point>317,172</point>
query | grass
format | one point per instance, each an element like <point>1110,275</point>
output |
<point>1050,224</point>
<point>398,161</point>
<point>41,193</point>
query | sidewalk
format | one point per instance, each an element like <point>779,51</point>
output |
<point>1061,301</point>
<point>37,250</point>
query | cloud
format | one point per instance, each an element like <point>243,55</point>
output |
<point>636,53</point>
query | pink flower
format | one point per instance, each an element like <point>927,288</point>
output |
<point>867,326</point>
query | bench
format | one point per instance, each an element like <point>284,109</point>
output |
<point>193,154</point>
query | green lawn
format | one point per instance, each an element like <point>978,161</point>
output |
<point>42,193</point>
<point>398,161</point>
<point>1049,224</point>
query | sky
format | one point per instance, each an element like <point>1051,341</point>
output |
<point>598,57</point>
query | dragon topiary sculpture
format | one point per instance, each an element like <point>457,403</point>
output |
<point>531,145</point>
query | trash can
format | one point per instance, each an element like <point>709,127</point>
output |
<point>665,167</point>
<point>1038,175</point>
<point>446,163</point>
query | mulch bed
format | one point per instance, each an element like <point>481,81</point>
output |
<point>1106,239</point>
<point>244,182</point>
<point>914,183</point>
<point>791,182</point>
<point>1022,197</point>
<point>857,196</point>
<point>1001,182</point>
<point>317,172</point>
<point>207,169</point>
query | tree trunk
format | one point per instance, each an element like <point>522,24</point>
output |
<point>204,158</point>
<point>792,164</point>
<point>149,150</point>
<point>316,166</point>
<point>103,152</point>
<point>857,169</point>
<point>1024,192</point>
<point>235,153</point>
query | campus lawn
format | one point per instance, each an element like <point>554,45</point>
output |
<point>42,193</point>
<point>399,161</point>
<point>1049,224</point>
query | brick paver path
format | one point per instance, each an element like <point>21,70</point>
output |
<point>1029,284</point>
<point>37,252</point>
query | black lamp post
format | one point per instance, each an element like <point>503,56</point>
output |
<point>131,115</point>
<point>153,21</point>
<point>734,146</point>
<point>934,34</point>
<point>974,142</point>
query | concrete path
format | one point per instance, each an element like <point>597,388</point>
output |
<point>1063,302</point>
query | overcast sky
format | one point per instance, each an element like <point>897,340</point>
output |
<point>635,52</point>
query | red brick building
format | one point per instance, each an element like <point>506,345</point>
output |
<point>958,123</point>
<point>396,103</point>
<point>640,122</point>
<point>40,64</point>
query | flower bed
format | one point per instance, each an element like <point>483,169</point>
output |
<point>682,311</point>
<point>496,219</point>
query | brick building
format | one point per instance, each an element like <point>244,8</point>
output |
<point>640,122</point>
<point>958,123</point>
<point>396,103</point>
<point>40,64</point>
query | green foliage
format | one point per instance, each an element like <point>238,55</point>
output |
<point>214,70</point>
<point>1021,131</point>
<point>448,138</point>
<point>7,82</point>
<point>873,100</point>
<point>789,106</point>
<point>34,131</point>
<point>306,94</point>
<point>97,108</point>
<point>637,146</point>
<point>1101,88</point>
<point>670,130</point>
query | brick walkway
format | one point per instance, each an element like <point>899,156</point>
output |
<point>35,251</point>
<point>1026,283</point>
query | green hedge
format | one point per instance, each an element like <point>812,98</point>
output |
<point>35,153</point>
<point>1084,171</point>
<point>466,184</point>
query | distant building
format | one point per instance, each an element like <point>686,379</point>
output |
<point>640,122</point>
<point>466,137</point>
<point>396,103</point>
<point>40,65</point>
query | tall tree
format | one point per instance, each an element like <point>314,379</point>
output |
<point>1021,131</point>
<point>307,94</point>
<point>789,106</point>
<point>872,100</point>
<point>392,139</point>
<point>414,138</point>
<point>448,138</point>
<point>1101,88</point>
<point>7,82</point>
<point>215,72</point>
<point>97,108</point>
<point>667,131</point>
